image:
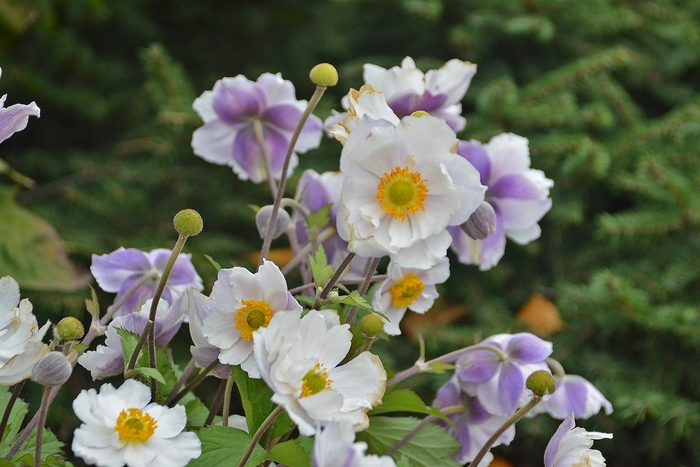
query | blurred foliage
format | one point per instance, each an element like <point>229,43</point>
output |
<point>605,90</point>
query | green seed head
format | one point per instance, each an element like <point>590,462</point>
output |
<point>69,329</point>
<point>371,325</point>
<point>188,222</point>
<point>324,74</point>
<point>541,382</point>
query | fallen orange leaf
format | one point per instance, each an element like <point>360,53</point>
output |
<point>279,256</point>
<point>541,315</point>
<point>499,461</point>
<point>439,316</point>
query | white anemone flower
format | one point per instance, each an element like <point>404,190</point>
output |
<point>298,358</point>
<point>571,447</point>
<point>121,427</point>
<point>20,335</point>
<point>403,186</point>
<point>408,288</point>
<point>366,101</point>
<point>334,446</point>
<point>245,302</point>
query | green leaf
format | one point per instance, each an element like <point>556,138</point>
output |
<point>225,446</point>
<point>283,425</point>
<point>290,453</point>
<point>431,447</point>
<point>129,341</point>
<point>19,410</point>
<point>255,397</point>
<point>93,305</point>
<point>355,299</point>
<point>403,462</point>
<point>197,412</point>
<point>401,400</point>
<point>50,446</point>
<point>150,373</point>
<point>320,269</point>
<point>439,368</point>
<point>319,219</point>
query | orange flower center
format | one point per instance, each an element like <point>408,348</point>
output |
<point>401,192</point>
<point>133,425</point>
<point>406,291</point>
<point>315,381</point>
<point>251,316</point>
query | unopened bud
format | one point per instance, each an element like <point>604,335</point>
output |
<point>53,369</point>
<point>541,382</point>
<point>188,222</point>
<point>371,325</point>
<point>262,220</point>
<point>481,223</point>
<point>324,74</point>
<point>69,329</point>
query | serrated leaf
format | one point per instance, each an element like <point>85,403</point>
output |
<point>225,446</point>
<point>320,269</point>
<point>430,447</point>
<point>150,373</point>
<point>355,299</point>
<point>290,453</point>
<point>19,410</point>
<point>403,462</point>
<point>319,219</point>
<point>439,368</point>
<point>129,341</point>
<point>50,446</point>
<point>92,304</point>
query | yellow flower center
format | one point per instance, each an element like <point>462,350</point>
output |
<point>315,381</point>
<point>406,291</point>
<point>251,316</point>
<point>133,425</point>
<point>401,192</point>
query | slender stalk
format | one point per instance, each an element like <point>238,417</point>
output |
<point>43,410</point>
<point>258,434</point>
<point>217,403</point>
<point>265,250</point>
<point>193,384</point>
<point>301,288</point>
<point>181,380</point>
<point>227,399</point>
<point>306,249</point>
<point>362,289</point>
<point>375,278</point>
<point>332,281</point>
<point>8,409</point>
<point>260,138</point>
<point>367,344</point>
<point>556,367</point>
<point>511,421</point>
<point>30,426</point>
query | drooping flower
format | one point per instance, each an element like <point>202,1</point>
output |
<point>573,394</point>
<point>298,358</point>
<point>571,447</point>
<point>107,360</point>
<point>231,112</point>
<point>245,302</point>
<point>20,335</point>
<point>362,104</point>
<point>500,374</point>
<point>518,194</point>
<point>15,117</point>
<point>121,427</point>
<point>472,427</point>
<point>200,307</point>
<point>403,186</point>
<point>334,447</point>
<point>123,268</point>
<point>407,288</point>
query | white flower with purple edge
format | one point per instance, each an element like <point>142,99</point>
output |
<point>573,394</point>
<point>365,103</point>
<point>403,185</point>
<point>472,427</point>
<point>120,270</point>
<point>245,302</point>
<point>408,288</point>
<point>518,194</point>
<point>122,427</point>
<point>499,375</point>
<point>15,117</point>
<point>298,358</point>
<point>230,112</point>
<point>334,446</point>
<point>200,307</point>
<point>108,360</point>
<point>20,336</point>
<point>571,447</point>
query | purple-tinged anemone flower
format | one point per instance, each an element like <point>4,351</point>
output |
<point>107,360</point>
<point>472,427</point>
<point>500,374</point>
<point>571,447</point>
<point>518,194</point>
<point>576,395</point>
<point>200,307</point>
<point>334,447</point>
<point>233,109</point>
<point>15,117</point>
<point>120,270</point>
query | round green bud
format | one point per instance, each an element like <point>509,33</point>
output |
<point>188,222</point>
<point>53,369</point>
<point>371,325</point>
<point>541,382</point>
<point>324,74</point>
<point>69,329</point>
<point>420,113</point>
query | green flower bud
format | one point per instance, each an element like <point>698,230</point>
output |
<point>371,325</point>
<point>324,74</point>
<point>188,222</point>
<point>541,382</point>
<point>69,329</point>
<point>262,220</point>
<point>53,369</point>
<point>419,113</point>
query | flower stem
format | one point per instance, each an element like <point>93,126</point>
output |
<point>362,289</point>
<point>332,281</point>
<point>260,138</point>
<point>258,434</point>
<point>8,409</point>
<point>265,250</point>
<point>306,249</point>
<point>43,410</point>
<point>556,367</point>
<point>181,380</point>
<point>192,384</point>
<point>30,426</point>
<point>508,423</point>
<point>227,399</point>
<point>217,402</point>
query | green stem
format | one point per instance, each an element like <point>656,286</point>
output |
<point>362,289</point>
<point>267,242</point>
<point>8,409</point>
<point>260,137</point>
<point>508,423</point>
<point>43,410</point>
<point>194,383</point>
<point>332,281</point>
<point>556,367</point>
<point>181,380</point>
<point>258,434</point>
<point>217,402</point>
<point>227,399</point>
